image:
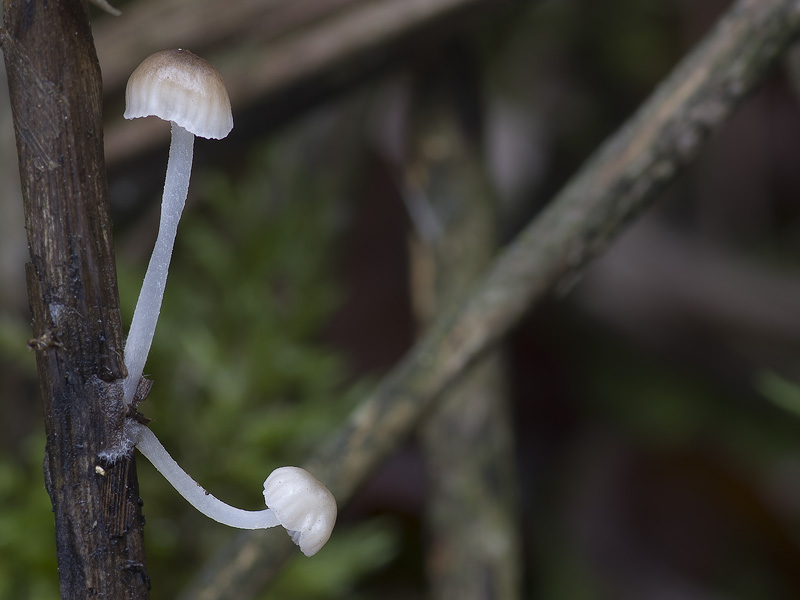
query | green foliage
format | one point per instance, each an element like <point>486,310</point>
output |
<point>12,331</point>
<point>27,532</point>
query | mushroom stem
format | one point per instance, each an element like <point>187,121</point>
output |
<point>148,306</point>
<point>148,444</point>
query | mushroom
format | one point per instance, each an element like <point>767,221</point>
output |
<point>180,87</point>
<point>296,499</point>
<point>303,505</point>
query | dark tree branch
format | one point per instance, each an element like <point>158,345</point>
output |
<point>619,181</point>
<point>56,95</point>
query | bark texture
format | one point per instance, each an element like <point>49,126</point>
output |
<point>55,88</point>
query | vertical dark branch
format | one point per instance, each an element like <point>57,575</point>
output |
<point>55,87</point>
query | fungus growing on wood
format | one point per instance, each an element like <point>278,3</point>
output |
<point>180,87</point>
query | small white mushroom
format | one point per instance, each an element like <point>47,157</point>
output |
<point>180,87</point>
<point>303,505</point>
<point>296,499</point>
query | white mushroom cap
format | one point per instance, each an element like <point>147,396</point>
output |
<point>303,505</point>
<point>176,85</point>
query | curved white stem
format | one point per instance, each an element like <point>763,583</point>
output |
<point>148,444</point>
<point>148,306</point>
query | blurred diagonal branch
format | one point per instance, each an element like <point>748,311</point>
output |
<point>622,178</point>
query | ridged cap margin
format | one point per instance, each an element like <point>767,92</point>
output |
<point>177,85</point>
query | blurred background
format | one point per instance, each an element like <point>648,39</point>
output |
<point>637,436</point>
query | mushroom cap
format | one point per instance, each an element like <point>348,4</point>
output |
<point>303,505</point>
<point>176,85</point>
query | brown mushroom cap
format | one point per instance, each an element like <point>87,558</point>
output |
<point>176,85</point>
